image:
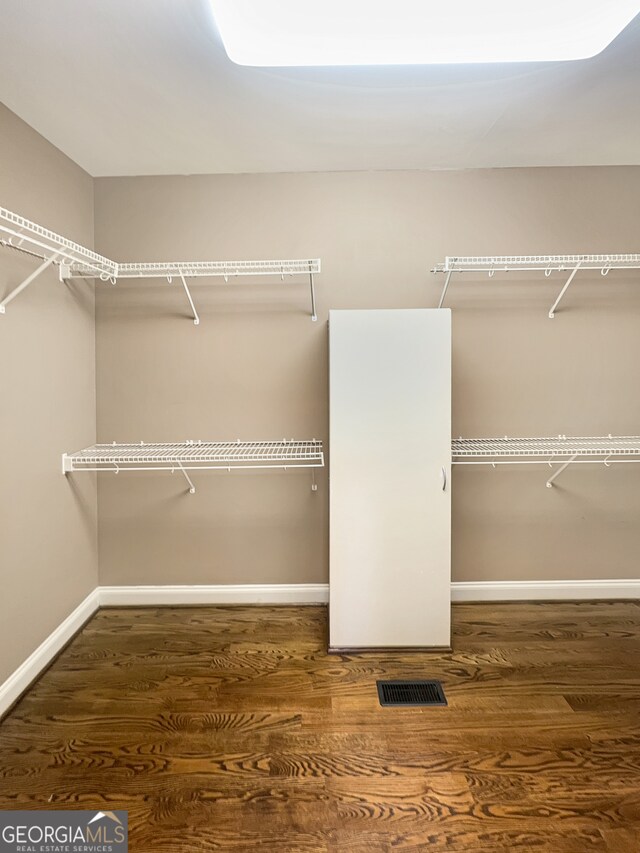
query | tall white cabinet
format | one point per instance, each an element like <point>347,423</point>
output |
<point>390,474</point>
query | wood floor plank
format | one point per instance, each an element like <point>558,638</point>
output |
<point>231,728</point>
<point>622,840</point>
<point>489,839</point>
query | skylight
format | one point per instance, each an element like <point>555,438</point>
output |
<point>417,32</point>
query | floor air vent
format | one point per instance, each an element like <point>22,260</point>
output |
<point>411,693</point>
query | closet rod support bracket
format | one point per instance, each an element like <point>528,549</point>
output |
<point>196,318</point>
<point>560,470</point>
<point>16,290</point>
<point>192,488</point>
<point>314,316</point>
<point>552,312</point>
<point>445,288</point>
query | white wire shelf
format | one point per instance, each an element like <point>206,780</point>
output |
<point>183,270</point>
<point>196,456</point>
<point>559,450</point>
<point>209,269</point>
<point>193,455</point>
<point>22,234</point>
<point>529,263</point>
<point>558,447</point>
<point>28,237</point>
<point>548,264</point>
<point>76,261</point>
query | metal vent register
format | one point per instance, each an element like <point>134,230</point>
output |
<point>411,693</point>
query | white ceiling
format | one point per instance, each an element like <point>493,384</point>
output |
<point>144,87</point>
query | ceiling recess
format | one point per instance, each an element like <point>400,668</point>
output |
<point>412,32</point>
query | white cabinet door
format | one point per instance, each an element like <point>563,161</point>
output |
<point>390,475</point>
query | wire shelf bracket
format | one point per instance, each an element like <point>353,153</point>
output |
<point>187,456</point>
<point>27,281</point>
<point>562,451</point>
<point>196,318</point>
<point>32,239</point>
<point>76,261</point>
<point>530,263</point>
<point>559,470</point>
<point>192,488</point>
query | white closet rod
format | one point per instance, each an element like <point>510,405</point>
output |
<point>532,263</point>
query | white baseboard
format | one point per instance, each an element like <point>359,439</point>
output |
<point>141,596</point>
<point>271,593</point>
<point>122,596</point>
<point>39,660</point>
<point>544,590</point>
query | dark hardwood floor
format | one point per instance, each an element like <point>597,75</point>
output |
<point>229,728</point>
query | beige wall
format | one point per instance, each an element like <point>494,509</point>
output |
<point>256,366</point>
<point>48,532</point>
